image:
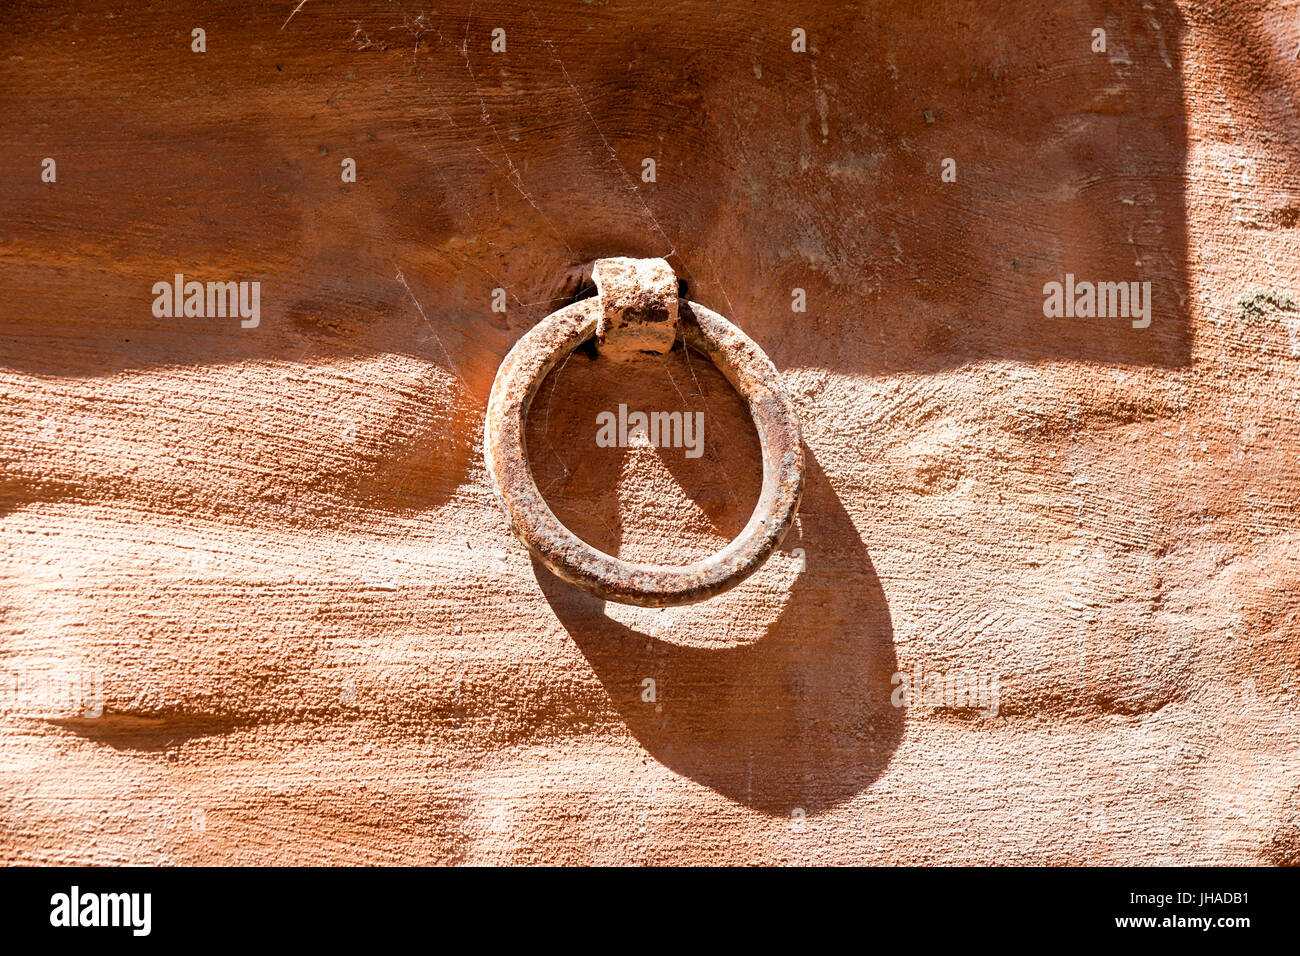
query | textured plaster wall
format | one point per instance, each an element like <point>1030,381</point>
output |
<point>257,604</point>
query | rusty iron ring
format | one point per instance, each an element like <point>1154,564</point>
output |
<point>750,372</point>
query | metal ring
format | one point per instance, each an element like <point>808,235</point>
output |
<point>750,372</point>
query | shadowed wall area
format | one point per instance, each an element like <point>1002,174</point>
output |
<point>774,170</point>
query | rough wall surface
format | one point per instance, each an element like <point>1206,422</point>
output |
<point>257,604</point>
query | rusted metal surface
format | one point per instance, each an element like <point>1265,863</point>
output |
<point>751,373</point>
<point>638,300</point>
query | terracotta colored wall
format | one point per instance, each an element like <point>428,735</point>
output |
<point>257,603</point>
